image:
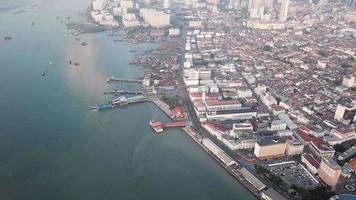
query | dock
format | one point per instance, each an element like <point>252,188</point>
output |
<point>120,101</point>
<point>162,106</point>
<point>120,92</point>
<point>158,127</point>
<point>113,79</point>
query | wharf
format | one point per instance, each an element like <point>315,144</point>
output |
<point>112,79</point>
<point>161,105</point>
<point>159,126</point>
<point>233,170</point>
<point>121,101</point>
<point>119,92</point>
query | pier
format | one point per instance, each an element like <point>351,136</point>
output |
<point>160,126</point>
<point>161,105</point>
<point>113,79</point>
<point>119,92</point>
<point>120,101</point>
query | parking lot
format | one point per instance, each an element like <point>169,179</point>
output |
<point>294,173</point>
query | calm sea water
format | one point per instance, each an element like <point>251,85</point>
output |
<point>53,147</point>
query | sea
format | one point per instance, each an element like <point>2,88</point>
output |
<point>54,147</point>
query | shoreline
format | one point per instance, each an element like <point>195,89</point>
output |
<point>194,136</point>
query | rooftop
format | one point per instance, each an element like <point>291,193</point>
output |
<point>270,140</point>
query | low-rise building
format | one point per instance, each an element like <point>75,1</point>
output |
<point>252,179</point>
<point>278,125</point>
<point>321,149</point>
<point>271,194</point>
<point>270,147</point>
<point>329,171</point>
<point>310,162</point>
<point>343,133</point>
<point>294,147</point>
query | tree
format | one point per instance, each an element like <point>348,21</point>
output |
<point>226,29</point>
<point>297,158</point>
<point>267,48</point>
<point>322,53</point>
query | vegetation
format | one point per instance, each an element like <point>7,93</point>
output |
<point>276,180</point>
<point>297,158</point>
<point>319,193</point>
<point>345,65</point>
<point>340,148</point>
<point>344,146</point>
<point>226,29</point>
<point>267,48</point>
<point>170,101</point>
<point>323,53</point>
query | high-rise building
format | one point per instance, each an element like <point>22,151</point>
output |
<point>191,3</point>
<point>236,4</point>
<point>329,171</point>
<point>283,14</point>
<point>155,18</point>
<point>98,5</point>
<point>348,81</point>
<point>256,9</point>
<point>166,3</point>
<point>345,113</point>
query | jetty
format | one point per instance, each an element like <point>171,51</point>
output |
<point>123,80</point>
<point>158,127</point>
<point>120,101</point>
<point>119,92</point>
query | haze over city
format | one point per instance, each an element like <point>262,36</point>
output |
<point>177,99</point>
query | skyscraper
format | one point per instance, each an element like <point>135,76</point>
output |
<point>283,14</point>
<point>166,3</point>
<point>191,3</point>
<point>256,9</point>
<point>238,4</point>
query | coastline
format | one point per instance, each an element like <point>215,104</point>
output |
<point>197,139</point>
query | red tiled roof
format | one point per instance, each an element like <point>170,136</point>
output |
<point>224,102</point>
<point>321,144</point>
<point>277,107</point>
<point>311,160</point>
<point>288,137</point>
<point>304,135</point>
<point>352,164</point>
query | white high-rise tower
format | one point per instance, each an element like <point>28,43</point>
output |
<point>166,3</point>
<point>283,14</point>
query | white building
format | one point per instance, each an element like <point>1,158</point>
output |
<point>345,113</point>
<point>348,81</point>
<point>195,24</point>
<point>241,129</point>
<point>278,125</point>
<point>166,3</point>
<point>294,147</point>
<point>174,32</point>
<point>98,5</point>
<point>126,4</point>
<point>129,20</point>
<point>283,14</point>
<point>155,18</point>
<point>226,159</point>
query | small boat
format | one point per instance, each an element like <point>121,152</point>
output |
<point>70,62</point>
<point>7,38</point>
<point>50,62</point>
<point>43,74</point>
<point>76,64</point>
